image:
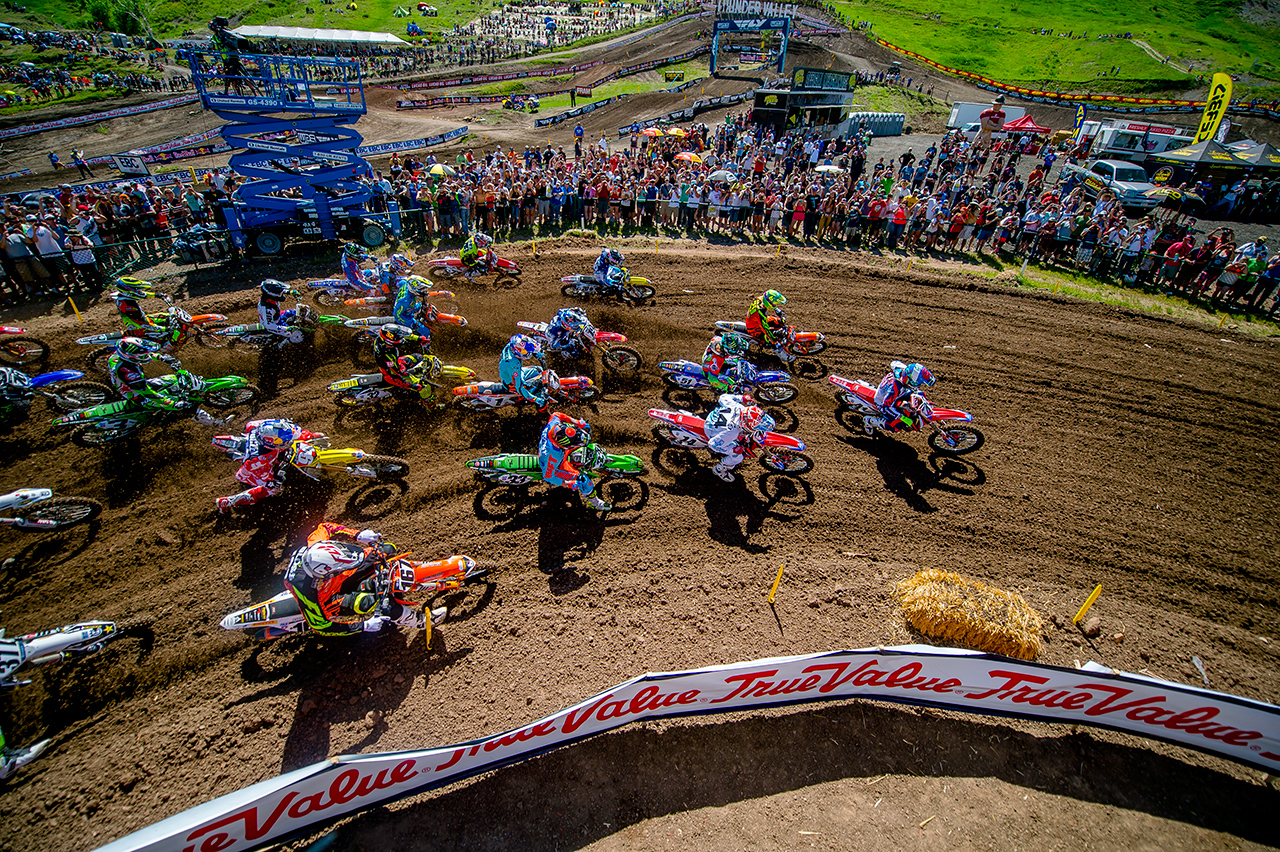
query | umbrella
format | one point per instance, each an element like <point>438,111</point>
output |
<point>652,131</point>
<point>688,157</point>
<point>1170,193</point>
<point>676,131</point>
<point>441,170</point>
<point>722,174</point>
<point>829,169</point>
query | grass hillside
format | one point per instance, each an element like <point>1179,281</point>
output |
<point>999,38</point>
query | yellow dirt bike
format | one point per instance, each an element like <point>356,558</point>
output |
<point>314,456</point>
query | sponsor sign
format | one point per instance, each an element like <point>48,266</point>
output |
<point>750,25</point>
<point>12,175</point>
<point>583,91</point>
<point>754,9</point>
<point>28,129</point>
<point>1164,174</point>
<point>1215,107</point>
<point>1239,729</point>
<point>672,76</point>
<point>129,164</point>
<point>816,80</point>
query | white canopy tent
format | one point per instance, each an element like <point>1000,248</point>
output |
<point>313,34</point>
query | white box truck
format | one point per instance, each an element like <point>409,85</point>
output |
<point>963,113</point>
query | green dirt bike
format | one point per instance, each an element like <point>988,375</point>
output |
<point>523,468</point>
<point>114,421</point>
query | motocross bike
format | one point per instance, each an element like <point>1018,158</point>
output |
<point>445,268</point>
<point>104,424</point>
<point>19,351</point>
<point>62,390</point>
<point>258,336</point>
<point>778,453</point>
<point>371,301</point>
<point>636,291</point>
<point>367,331</point>
<point>858,400</point>
<point>793,343</point>
<point>45,647</point>
<point>523,468</point>
<point>330,292</point>
<point>615,356</point>
<point>486,396</point>
<point>311,457</point>
<point>770,386</point>
<point>37,510</point>
<point>372,388</point>
<point>175,329</point>
<point>397,576</point>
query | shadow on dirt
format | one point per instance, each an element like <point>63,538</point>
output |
<point>600,788</point>
<point>285,521</point>
<point>910,477</point>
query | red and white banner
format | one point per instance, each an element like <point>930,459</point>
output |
<point>1235,728</point>
<point>28,129</point>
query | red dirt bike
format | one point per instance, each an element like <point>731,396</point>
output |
<point>20,351</point>
<point>793,344</point>
<point>859,400</point>
<point>175,329</point>
<point>778,453</point>
<point>446,268</point>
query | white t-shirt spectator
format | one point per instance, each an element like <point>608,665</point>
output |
<point>46,240</point>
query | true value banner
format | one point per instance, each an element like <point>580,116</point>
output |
<point>1236,728</point>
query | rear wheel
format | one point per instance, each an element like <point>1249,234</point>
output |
<point>587,394</point>
<point>443,272</point>
<point>63,511</point>
<point>964,439</point>
<point>621,359</point>
<point>575,291</point>
<point>21,351</point>
<point>789,462</point>
<point>473,404</point>
<point>104,432</point>
<point>99,358</point>
<point>775,393</point>
<point>352,398</point>
<point>382,467</point>
<point>76,395</point>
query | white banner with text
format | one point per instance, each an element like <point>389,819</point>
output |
<point>1236,728</point>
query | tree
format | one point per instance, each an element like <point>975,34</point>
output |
<point>140,12</point>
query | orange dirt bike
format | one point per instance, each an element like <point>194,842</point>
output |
<point>396,577</point>
<point>174,329</point>
<point>17,350</point>
<point>486,396</point>
<point>792,344</point>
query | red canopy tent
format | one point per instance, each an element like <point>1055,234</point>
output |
<point>1026,124</point>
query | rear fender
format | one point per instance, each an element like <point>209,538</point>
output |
<point>204,319</point>
<point>99,412</point>
<point>12,329</point>
<point>681,419</point>
<point>56,376</point>
<point>728,325</point>
<point>367,300</point>
<point>341,457</point>
<point>26,496</point>
<point>445,261</point>
<point>536,327</point>
<point>279,613</point>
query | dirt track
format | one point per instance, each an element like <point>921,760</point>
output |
<point>1122,450</point>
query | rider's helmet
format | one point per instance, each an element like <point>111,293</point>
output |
<point>733,345</point>
<point>755,421</point>
<point>273,289</point>
<point>15,387</point>
<point>525,347</point>
<point>592,457</point>
<point>617,276</point>
<point>482,240</point>
<point>571,433</point>
<point>574,319</point>
<point>400,265</point>
<point>135,350</point>
<point>274,434</point>
<point>393,334</point>
<point>128,287</point>
<point>368,538</point>
<point>326,558</point>
<point>773,299</point>
<point>614,257</point>
<point>912,375</point>
<point>355,251</point>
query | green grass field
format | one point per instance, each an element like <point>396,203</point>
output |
<point>995,38</point>
<point>13,54</point>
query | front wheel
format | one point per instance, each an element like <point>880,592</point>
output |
<point>207,337</point>
<point>233,397</point>
<point>105,432</point>
<point>789,462</point>
<point>21,351</point>
<point>813,348</point>
<point>957,440</point>
<point>621,359</point>
<point>381,467</point>
<point>99,359</point>
<point>640,293</point>
<point>76,395</point>
<point>775,393</point>
<point>63,511</point>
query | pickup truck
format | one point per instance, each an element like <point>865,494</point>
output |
<point>1129,182</point>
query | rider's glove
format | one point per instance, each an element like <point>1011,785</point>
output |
<point>375,624</point>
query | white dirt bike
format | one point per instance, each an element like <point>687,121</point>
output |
<point>37,510</point>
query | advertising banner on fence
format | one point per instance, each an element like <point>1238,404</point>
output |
<point>1236,728</point>
<point>72,121</point>
<point>582,91</point>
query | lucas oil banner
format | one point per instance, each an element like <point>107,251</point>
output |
<point>1236,728</point>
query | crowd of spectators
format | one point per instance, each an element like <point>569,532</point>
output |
<point>72,68</point>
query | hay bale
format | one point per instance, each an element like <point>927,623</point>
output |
<point>971,614</point>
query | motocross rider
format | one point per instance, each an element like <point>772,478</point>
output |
<point>125,370</point>
<point>765,328</point>
<point>561,450</point>
<point>130,291</point>
<point>402,369</point>
<point>898,391</point>
<point>335,576</point>
<point>608,259</point>
<point>476,251</point>
<point>735,422</point>
<point>352,255</point>
<point>513,373</point>
<point>16,394</point>
<point>277,321</point>
<point>263,455</point>
<point>392,271</point>
<point>410,305</point>
<point>722,361</point>
<point>564,329</point>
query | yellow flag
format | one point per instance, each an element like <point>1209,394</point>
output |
<point>1215,107</point>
